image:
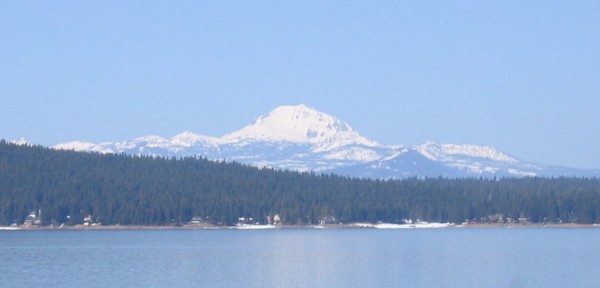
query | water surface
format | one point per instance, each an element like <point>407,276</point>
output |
<point>301,258</point>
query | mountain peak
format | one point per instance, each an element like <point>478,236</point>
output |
<point>294,109</point>
<point>299,124</point>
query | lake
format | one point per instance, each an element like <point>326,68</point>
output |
<point>456,257</point>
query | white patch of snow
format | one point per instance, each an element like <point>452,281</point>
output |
<point>153,141</point>
<point>254,227</point>
<point>83,146</point>
<point>20,141</point>
<point>354,153</point>
<point>412,226</point>
<point>9,228</point>
<point>437,152</point>
<point>399,152</point>
<point>75,145</point>
<point>188,139</point>
<point>521,173</point>
<point>125,145</point>
<point>363,225</point>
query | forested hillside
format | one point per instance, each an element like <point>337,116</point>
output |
<point>120,189</point>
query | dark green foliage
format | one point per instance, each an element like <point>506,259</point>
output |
<point>127,190</point>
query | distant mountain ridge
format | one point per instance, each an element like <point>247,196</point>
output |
<point>304,139</point>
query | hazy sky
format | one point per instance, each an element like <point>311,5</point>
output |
<point>523,76</point>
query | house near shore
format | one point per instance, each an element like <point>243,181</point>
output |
<point>274,220</point>
<point>33,219</point>
<point>89,221</point>
<point>196,220</point>
<point>327,220</point>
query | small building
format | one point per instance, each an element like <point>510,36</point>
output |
<point>276,219</point>
<point>87,220</point>
<point>33,218</point>
<point>196,220</point>
<point>327,220</point>
<point>246,220</point>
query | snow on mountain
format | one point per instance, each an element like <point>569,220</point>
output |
<point>301,138</point>
<point>448,152</point>
<point>174,144</point>
<point>304,125</point>
<point>147,145</point>
<point>153,141</point>
<point>300,124</point>
<point>476,159</point>
<point>20,141</point>
<point>84,146</point>
<point>189,139</point>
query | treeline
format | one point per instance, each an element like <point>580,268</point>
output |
<point>132,190</point>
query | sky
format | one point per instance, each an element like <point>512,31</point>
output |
<point>522,76</point>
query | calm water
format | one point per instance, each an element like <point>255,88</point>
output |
<point>302,258</point>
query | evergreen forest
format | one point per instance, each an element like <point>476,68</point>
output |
<point>66,186</point>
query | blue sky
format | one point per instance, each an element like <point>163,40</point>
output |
<point>523,76</point>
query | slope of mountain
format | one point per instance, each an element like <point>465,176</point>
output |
<point>304,139</point>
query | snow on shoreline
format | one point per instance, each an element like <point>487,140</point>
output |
<point>9,228</point>
<point>354,225</point>
<point>402,226</point>
<point>253,227</point>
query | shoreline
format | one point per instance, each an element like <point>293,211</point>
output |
<point>383,226</point>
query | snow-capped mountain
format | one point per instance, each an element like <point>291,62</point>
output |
<point>300,124</point>
<point>303,139</point>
